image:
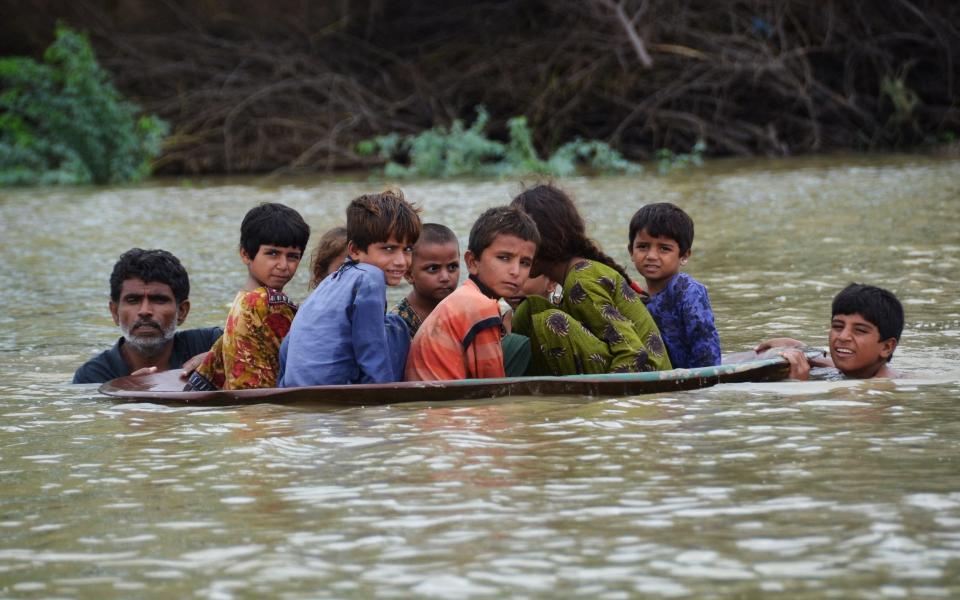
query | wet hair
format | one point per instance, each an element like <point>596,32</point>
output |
<point>332,244</point>
<point>874,304</point>
<point>435,233</point>
<point>561,227</point>
<point>151,266</point>
<point>501,220</point>
<point>663,219</point>
<point>375,218</point>
<point>273,224</point>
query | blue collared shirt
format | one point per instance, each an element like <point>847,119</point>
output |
<point>342,335</point>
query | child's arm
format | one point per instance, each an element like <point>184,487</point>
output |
<point>369,332</point>
<point>700,330</point>
<point>778,343</point>
<point>485,354</point>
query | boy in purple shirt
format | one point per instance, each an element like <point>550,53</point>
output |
<point>341,333</point>
<point>661,236</point>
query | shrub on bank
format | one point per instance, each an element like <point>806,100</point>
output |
<point>62,121</point>
<point>459,150</point>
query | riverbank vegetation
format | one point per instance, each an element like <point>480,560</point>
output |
<point>456,151</point>
<point>62,121</point>
<point>293,86</point>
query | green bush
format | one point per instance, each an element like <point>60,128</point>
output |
<point>62,121</point>
<point>668,160</point>
<point>458,151</point>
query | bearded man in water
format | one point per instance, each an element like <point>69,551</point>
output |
<point>149,299</point>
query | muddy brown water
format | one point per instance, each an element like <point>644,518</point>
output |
<point>795,490</point>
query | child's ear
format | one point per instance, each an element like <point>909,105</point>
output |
<point>244,256</point>
<point>353,251</point>
<point>409,275</point>
<point>473,264</point>
<point>686,256</point>
<point>887,347</point>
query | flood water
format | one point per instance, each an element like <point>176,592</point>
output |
<point>829,489</point>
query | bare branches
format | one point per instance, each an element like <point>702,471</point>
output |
<point>629,25</point>
<point>297,92</point>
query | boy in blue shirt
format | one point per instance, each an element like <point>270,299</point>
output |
<point>341,333</point>
<point>661,236</point>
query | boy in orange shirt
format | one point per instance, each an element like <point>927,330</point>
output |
<point>460,339</point>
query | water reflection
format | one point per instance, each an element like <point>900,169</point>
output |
<point>829,488</point>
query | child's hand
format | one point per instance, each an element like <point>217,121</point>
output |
<point>799,366</point>
<point>191,365</point>
<point>506,319</point>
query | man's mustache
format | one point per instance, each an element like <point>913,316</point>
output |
<point>146,323</point>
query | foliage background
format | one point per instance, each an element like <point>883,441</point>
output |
<point>292,85</point>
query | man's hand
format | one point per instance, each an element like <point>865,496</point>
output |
<point>191,365</point>
<point>144,371</point>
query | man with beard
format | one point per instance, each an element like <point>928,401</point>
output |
<point>149,298</point>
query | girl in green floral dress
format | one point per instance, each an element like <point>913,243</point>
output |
<point>602,325</point>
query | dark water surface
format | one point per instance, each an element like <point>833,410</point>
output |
<point>829,489</point>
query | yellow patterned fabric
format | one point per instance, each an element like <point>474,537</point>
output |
<point>247,355</point>
<point>601,326</point>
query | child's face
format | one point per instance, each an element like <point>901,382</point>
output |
<point>856,347</point>
<point>504,265</point>
<point>392,257</point>
<point>541,285</point>
<point>657,259</point>
<point>435,270</point>
<point>335,264</point>
<point>273,266</point>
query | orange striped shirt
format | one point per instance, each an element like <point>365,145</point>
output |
<point>460,339</point>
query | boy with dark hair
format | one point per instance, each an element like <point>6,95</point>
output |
<point>247,356</point>
<point>149,299</point>
<point>659,242</point>
<point>461,338</point>
<point>434,274</point>
<point>864,332</point>
<point>341,334</point>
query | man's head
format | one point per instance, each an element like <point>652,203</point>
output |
<point>502,245</point>
<point>381,231</point>
<point>149,298</point>
<point>435,268</point>
<point>865,328</point>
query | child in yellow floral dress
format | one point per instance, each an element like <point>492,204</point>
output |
<point>272,240</point>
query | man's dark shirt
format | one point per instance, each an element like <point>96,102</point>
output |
<point>109,364</point>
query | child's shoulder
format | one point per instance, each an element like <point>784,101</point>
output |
<point>466,303</point>
<point>263,298</point>
<point>593,271</point>
<point>684,283</point>
<point>594,277</point>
